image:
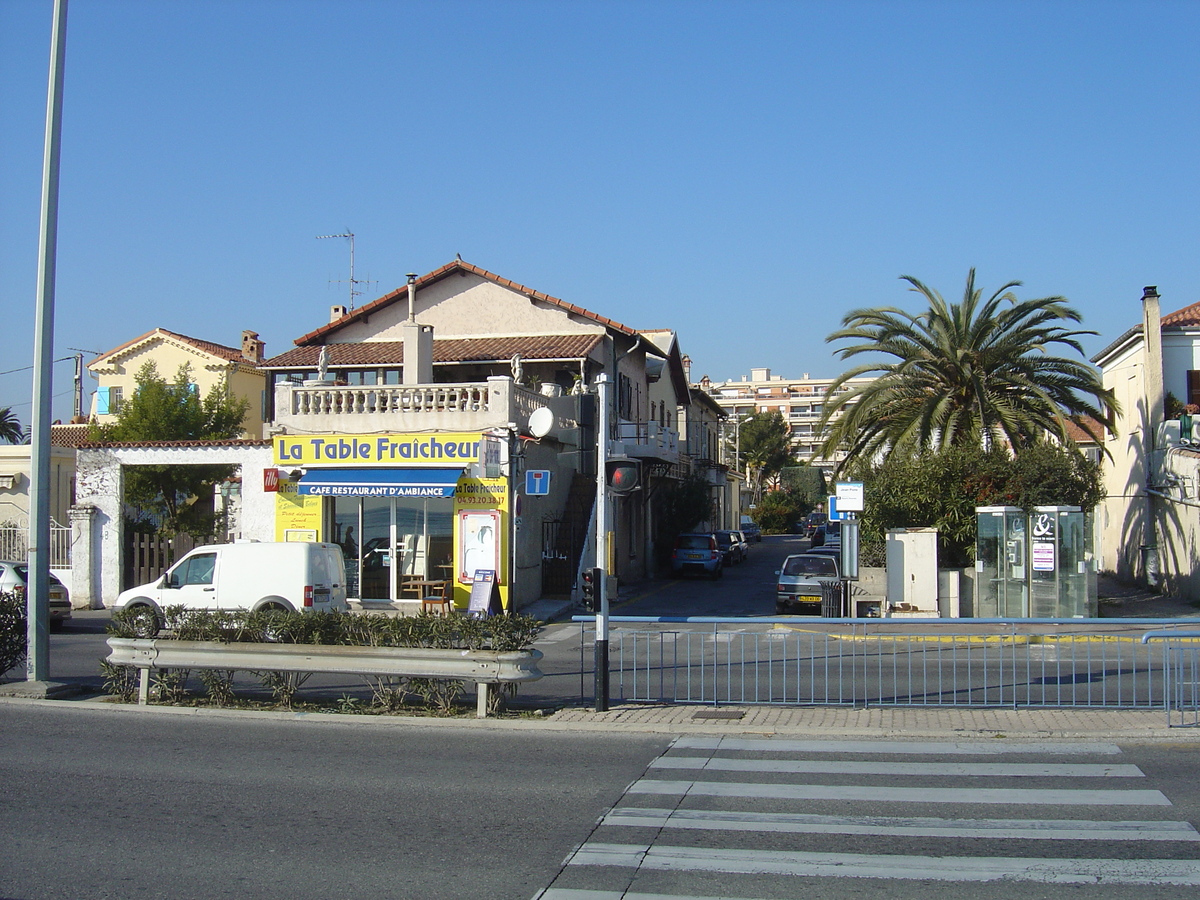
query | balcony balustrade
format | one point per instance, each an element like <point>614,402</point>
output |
<point>316,408</point>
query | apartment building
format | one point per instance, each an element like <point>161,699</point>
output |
<point>801,402</point>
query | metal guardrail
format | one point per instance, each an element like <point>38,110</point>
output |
<point>914,662</point>
<point>1181,674</point>
<point>484,667</point>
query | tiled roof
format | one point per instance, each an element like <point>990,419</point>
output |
<point>401,295</point>
<point>68,435</point>
<point>218,350</point>
<point>1078,435</point>
<point>1189,316</point>
<point>448,350</point>
<point>230,442</point>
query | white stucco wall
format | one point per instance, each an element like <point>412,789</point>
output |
<point>467,306</point>
<point>100,484</point>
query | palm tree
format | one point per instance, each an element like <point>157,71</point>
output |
<point>963,372</point>
<point>10,427</point>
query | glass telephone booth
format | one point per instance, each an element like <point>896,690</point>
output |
<point>1031,565</point>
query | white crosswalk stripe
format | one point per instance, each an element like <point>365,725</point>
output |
<point>769,776</point>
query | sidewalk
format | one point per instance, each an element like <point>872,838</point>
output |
<point>942,723</point>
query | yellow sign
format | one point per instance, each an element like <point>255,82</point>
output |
<point>472,497</point>
<point>407,450</point>
<point>296,514</point>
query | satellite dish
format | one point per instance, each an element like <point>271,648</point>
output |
<point>541,422</point>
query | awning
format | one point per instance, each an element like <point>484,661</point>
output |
<point>380,482</point>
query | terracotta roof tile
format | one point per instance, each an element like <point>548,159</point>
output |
<point>68,435</point>
<point>445,351</point>
<point>1188,316</point>
<point>218,350</point>
<point>231,442</point>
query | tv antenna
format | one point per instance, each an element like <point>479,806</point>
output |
<point>354,292</point>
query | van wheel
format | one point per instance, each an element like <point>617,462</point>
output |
<point>145,622</point>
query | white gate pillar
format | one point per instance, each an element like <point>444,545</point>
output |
<point>85,560</point>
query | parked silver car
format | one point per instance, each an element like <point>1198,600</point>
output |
<point>13,578</point>
<point>800,582</point>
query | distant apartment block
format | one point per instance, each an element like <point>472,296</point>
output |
<point>801,402</point>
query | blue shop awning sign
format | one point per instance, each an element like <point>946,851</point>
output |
<point>379,482</point>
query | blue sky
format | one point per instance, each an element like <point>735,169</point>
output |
<point>743,172</point>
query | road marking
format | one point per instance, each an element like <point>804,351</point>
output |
<point>923,748</point>
<point>569,894</point>
<point>856,767</point>
<point>902,826</point>
<point>862,865</point>
<point>903,794</point>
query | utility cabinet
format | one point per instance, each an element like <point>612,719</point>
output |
<point>1031,564</point>
<point>912,573</point>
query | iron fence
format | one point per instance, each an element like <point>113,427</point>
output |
<point>14,544</point>
<point>881,662</point>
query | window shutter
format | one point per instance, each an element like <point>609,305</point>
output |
<point>102,401</point>
<point>1193,386</point>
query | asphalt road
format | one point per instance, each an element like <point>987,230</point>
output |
<point>122,804</point>
<point>118,803</point>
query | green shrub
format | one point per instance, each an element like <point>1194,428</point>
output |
<point>390,694</point>
<point>13,631</point>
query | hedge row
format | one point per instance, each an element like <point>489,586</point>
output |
<point>453,632</point>
<point>13,631</point>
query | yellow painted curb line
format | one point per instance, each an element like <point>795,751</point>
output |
<point>982,638</point>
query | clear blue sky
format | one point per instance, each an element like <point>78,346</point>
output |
<point>743,172</point>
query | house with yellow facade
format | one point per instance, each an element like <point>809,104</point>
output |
<point>211,364</point>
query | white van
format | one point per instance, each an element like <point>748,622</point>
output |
<point>253,576</point>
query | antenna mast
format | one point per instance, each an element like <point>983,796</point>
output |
<point>354,292</point>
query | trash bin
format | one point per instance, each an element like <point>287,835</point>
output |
<point>831,600</point>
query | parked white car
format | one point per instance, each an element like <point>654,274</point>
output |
<point>13,579</point>
<point>294,577</point>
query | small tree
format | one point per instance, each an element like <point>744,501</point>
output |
<point>779,510</point>
<point>173,411</point>
<point>765,448</point>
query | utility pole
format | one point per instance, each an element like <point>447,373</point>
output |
<point>78,412</point>
<point>601,656</point>
<point>37,664</point>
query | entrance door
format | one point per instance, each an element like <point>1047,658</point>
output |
<point>378,549</point>
<point>394,548</point>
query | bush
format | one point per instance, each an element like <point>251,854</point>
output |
<point>455,632</point>
<point>13,631</point>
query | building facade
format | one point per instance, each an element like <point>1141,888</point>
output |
<point>1150,520</point>
<point>801,402</point>
<point>211,365</point>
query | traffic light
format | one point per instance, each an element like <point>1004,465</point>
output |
<point>591,589</point>
<point>624,474</point>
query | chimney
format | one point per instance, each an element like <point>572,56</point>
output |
<point>336,312</point>
<point>252,347</point>
<point>687,369</point>
<point>1153,398</point>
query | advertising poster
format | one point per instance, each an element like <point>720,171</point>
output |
<point>481,510</point>
<point>296,514</point>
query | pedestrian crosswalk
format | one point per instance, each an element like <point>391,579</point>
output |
<point>749,816</point>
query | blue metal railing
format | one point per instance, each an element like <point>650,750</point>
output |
<point>1016,663</point>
